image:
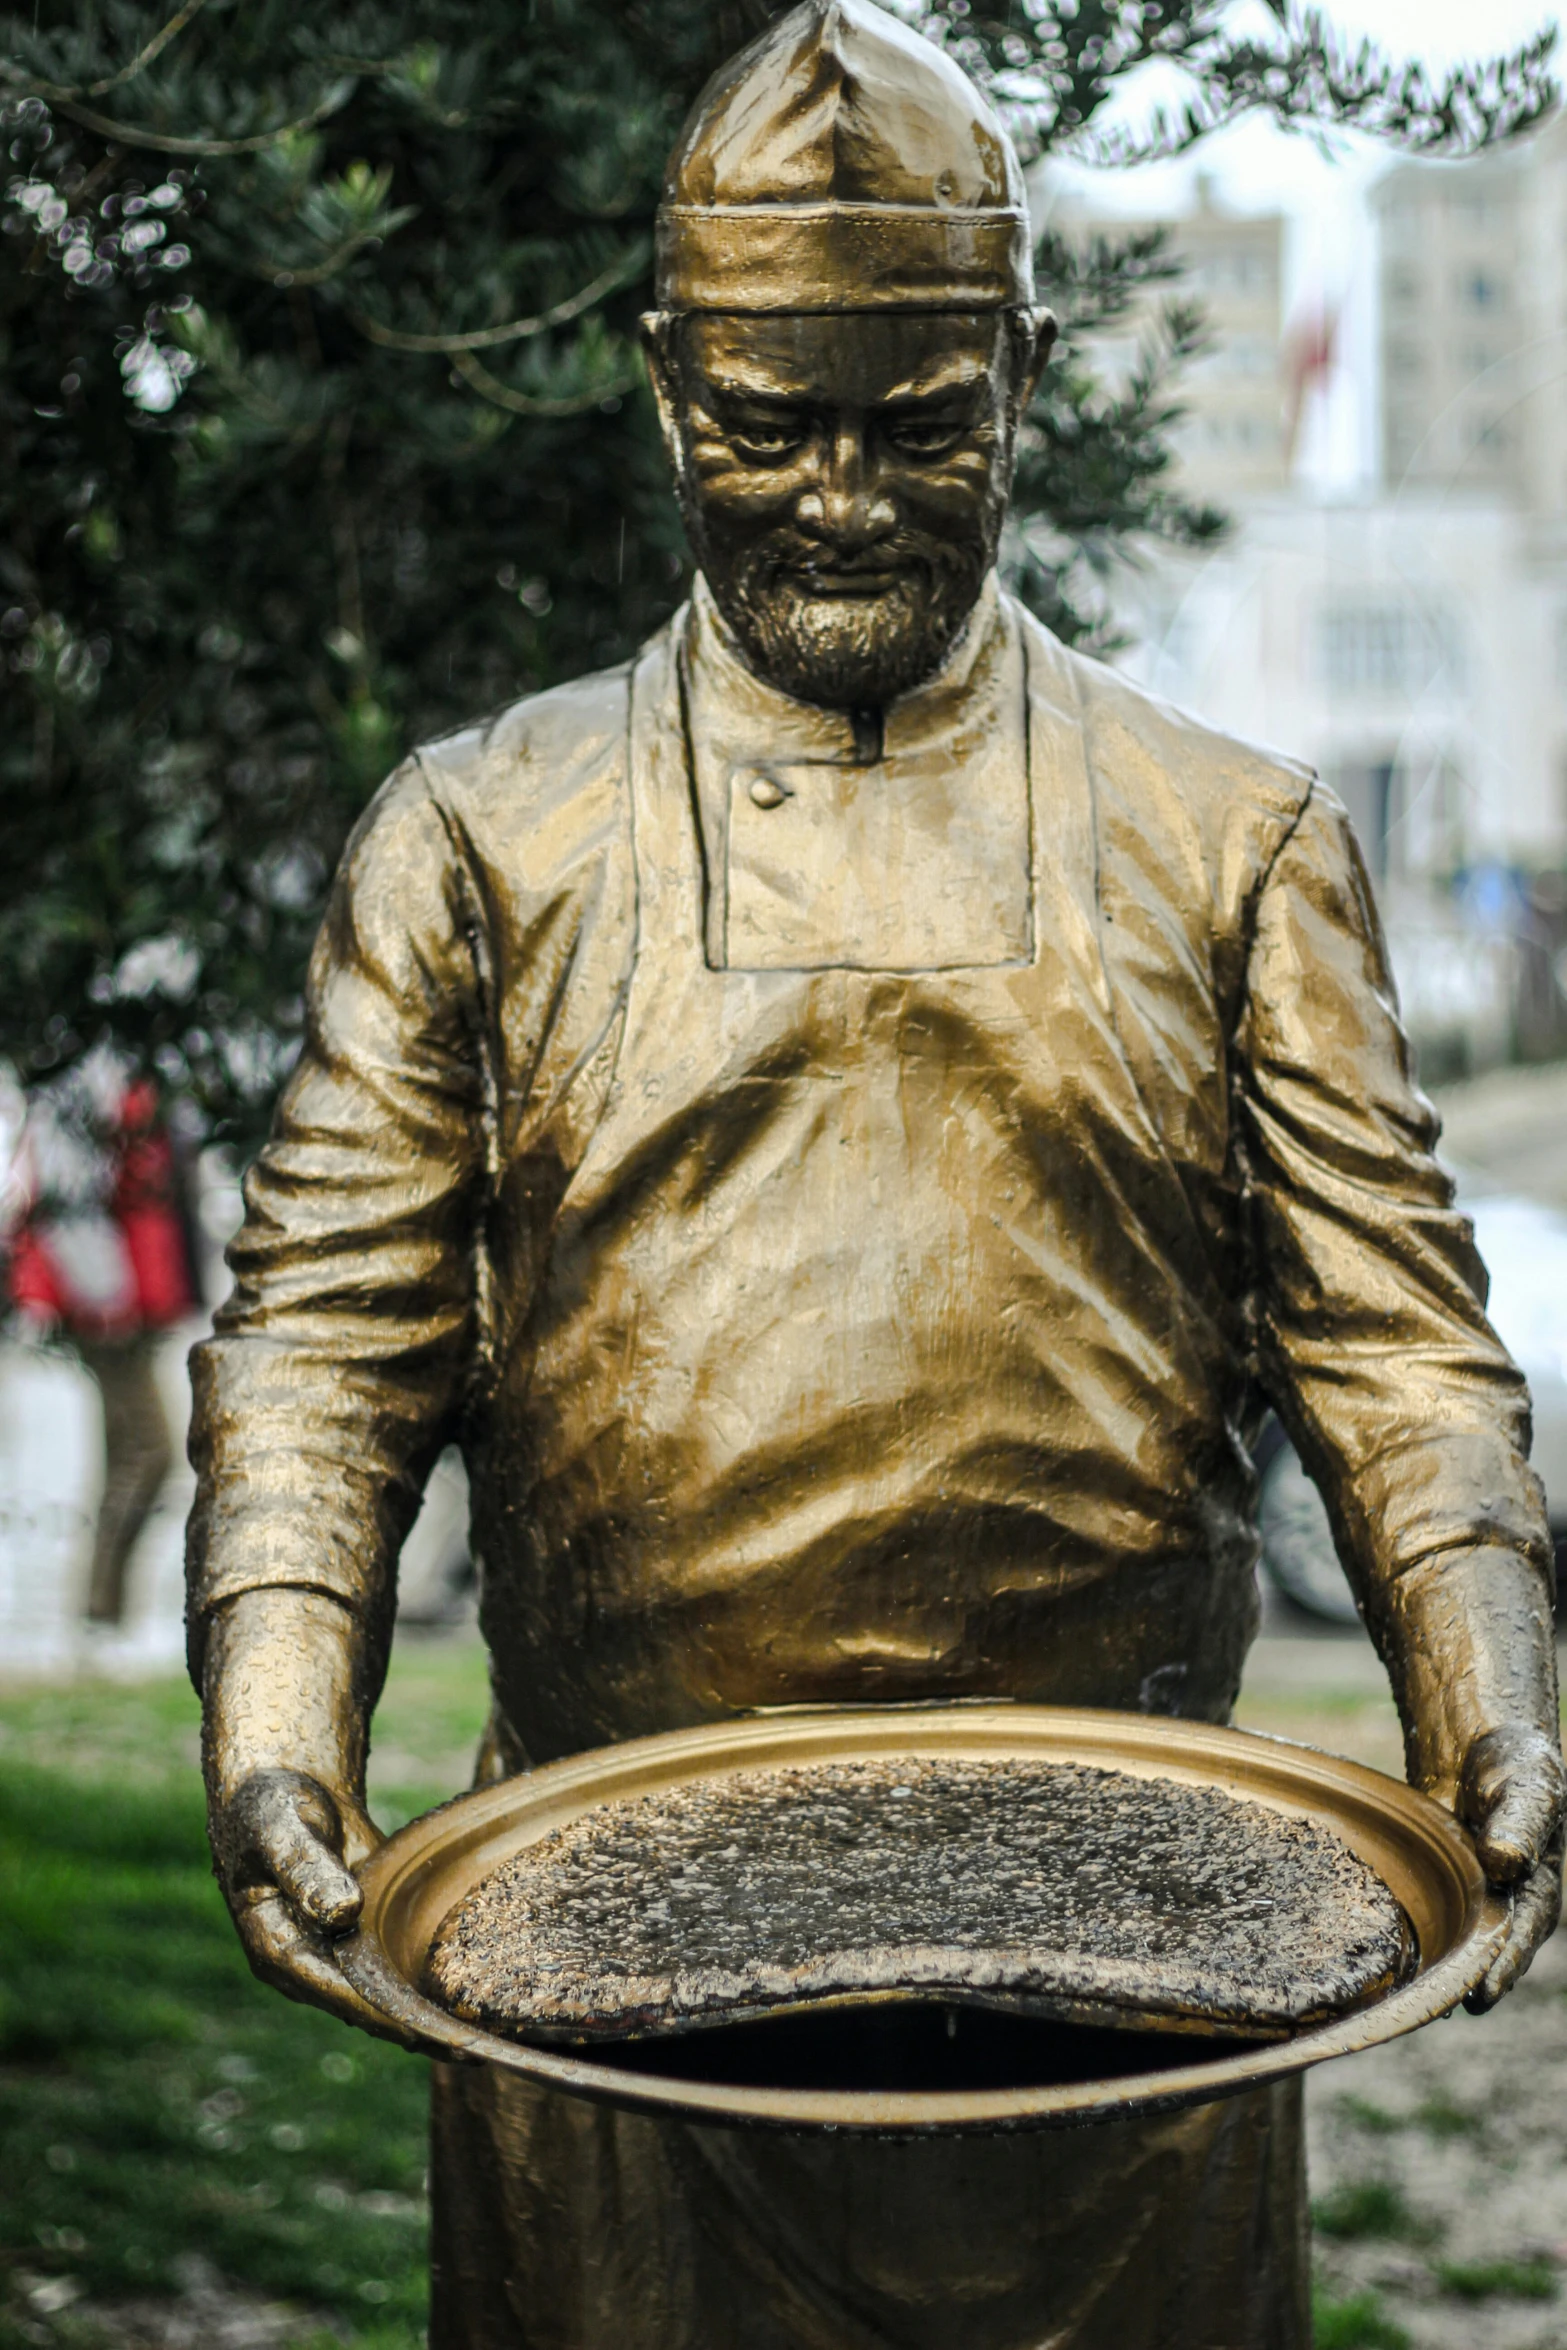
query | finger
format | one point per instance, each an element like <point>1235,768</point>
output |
<point>283,1955</point>
<point>1511,1800</point>
<point>361,1836</point>
<point>310,1874</point>
<point>1518,1823</point>
<point>1537,1909</point>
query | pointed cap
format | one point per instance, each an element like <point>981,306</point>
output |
<point>843,162</point>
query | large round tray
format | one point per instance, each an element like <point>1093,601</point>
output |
<point>1418,1850</point>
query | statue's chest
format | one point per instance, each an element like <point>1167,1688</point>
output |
<point>931,1141</point>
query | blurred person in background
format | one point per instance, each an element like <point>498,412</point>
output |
<point>99,1254</point>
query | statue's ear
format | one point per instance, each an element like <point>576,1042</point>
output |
<point>657,329</point>
<point>1036,331</point>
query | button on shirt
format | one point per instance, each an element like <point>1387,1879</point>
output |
<point>918,860</point>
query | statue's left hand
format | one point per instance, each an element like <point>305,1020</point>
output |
<point>1469,1640</point>
<point>284,1680</point>
<point>286,1848</point>
<point>1512,1792</point>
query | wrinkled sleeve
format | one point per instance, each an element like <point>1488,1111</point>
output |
<point>1372,1337</point>
<point>337,1364</point>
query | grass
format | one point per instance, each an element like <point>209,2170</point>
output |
<point>1441,2118</point>
<point>1369,2209</point>
<point>1496,2280</point>
<point>1359,2323</point>
<point>154,2100</point>
<point>1374,2119</point>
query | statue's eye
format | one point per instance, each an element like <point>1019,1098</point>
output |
<point>766,442</point>
<point>915,437</point>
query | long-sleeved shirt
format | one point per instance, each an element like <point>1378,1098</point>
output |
<point>851,1325</point>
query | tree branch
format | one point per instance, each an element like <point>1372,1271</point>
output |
<point>1317,79</point>
<point>128,135</point>
<point>60,95</point>
<point>1052,72</point>
<point>487,338</point>
<point>278,273</point>
<point>155,48</point>
<point>490,387</point>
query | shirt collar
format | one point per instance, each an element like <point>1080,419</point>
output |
<point>957,741</point>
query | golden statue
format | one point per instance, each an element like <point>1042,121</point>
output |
<point>849,1119</point>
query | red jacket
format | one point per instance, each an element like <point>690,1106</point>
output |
<point>142,1277</point>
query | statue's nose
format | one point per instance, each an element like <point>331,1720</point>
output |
<point>844,505</point>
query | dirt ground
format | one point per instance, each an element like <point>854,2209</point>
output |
<point>1438,2174</point>
<point>1439,2163</point>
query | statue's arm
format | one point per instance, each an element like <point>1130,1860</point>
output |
<point>331,1381</point>
<point>1375,1349</point>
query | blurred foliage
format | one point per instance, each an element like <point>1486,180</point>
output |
<point>163,2118</point>
<point>322,428</point>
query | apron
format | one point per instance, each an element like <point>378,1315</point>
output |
<point>856,1270</point>
<point>820,1280</point>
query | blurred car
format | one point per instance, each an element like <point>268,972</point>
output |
<point>1524,1246</point>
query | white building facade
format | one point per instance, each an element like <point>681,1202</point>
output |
<point>1409,641</point>
<point>1411,648</point>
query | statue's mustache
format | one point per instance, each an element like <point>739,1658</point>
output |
<point>790,559</point>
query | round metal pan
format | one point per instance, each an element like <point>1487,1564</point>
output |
<point>1418,1850</point>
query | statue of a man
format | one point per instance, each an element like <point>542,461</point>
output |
<point>848,1119</point>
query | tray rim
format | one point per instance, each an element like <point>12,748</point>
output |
<point>480,1829</point>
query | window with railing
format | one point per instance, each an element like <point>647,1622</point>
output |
<point>1386,647</point>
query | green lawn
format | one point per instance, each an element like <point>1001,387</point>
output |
<point>155,2102</point>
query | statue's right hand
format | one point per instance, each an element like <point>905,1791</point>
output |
<point>285,1848</point>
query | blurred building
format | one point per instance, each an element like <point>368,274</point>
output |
<point>1411,641</point>
<point>1473,300</point>
<point>1405,649</point>
<point>1231,443</point>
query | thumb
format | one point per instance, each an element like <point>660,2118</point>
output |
<point>1510,1797</point>
<point>311,1877</point>
<point>286,1833</point>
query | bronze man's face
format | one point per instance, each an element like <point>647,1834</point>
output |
<point>844,480</point>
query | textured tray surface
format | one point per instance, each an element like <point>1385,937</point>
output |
<point>1057,1886</point>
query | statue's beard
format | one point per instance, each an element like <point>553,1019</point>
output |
<point>850,652</point>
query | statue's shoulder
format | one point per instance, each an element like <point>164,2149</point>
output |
<point>1156,768</point>
<point>551,767</point>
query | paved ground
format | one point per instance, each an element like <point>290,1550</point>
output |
<point>1438,2164</point>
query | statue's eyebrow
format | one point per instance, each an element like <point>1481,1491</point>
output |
<point>737,386</point>
<point>730,379</point>
<point>960,373</point>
